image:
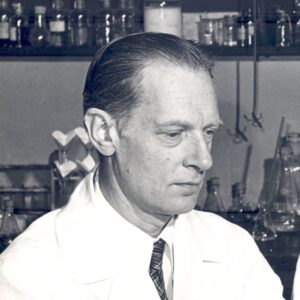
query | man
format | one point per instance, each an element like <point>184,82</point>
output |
<point>151,112</point>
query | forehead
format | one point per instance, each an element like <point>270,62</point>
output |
<point>170,89</point>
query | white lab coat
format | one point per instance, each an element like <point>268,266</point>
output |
<point>72,254</point>
<point>296,286</point>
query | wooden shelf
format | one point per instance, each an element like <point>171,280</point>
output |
<point>223,52</point>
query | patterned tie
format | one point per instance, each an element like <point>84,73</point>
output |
<point>155,268</point>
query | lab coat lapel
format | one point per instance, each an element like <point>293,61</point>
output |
<point>197,262</point>
<point>80,236</point>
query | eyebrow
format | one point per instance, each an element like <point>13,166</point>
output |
<point>187,125</point>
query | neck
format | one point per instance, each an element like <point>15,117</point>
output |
<point>150,224</point>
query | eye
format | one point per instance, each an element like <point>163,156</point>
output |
<point>210,132</point>
<point>172,138</point>
<point>173,134</point>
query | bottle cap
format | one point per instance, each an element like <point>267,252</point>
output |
<point>40,10</point>
<point>213,182</point>
<point>17,7</point>
<point>238,188</point>
<point>285,151</point>
<point>8,204</point>
<point>57,4</point>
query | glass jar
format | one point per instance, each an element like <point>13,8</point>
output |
<point>163,16</point>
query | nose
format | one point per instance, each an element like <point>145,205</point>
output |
<point>198,156</point>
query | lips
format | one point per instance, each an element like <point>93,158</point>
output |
<point>191,183</point>
<point>187,188</point>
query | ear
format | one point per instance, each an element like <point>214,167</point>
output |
<point>101,128</point>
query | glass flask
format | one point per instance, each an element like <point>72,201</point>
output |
<point>262,229</point>
<point>293,141</point>
<point>284,197</point>
<point>163,16</point>
<point>9,228</point>
<point>39,36</point>
<point>214,201</point>
<point>19,27</point>
<point>58,24</point>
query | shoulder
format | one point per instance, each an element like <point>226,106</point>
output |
<point>213,224</point>
<point>30,251</point>
<point>220,240</point>
<point>31,260</point>
<point>217,235</point>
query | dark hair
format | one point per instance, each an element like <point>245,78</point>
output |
<point>112,82</point>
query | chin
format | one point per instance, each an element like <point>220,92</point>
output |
<point>185,206</point>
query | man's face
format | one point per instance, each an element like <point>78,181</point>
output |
<point>162,155</point>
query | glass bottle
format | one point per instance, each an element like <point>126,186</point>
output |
<point>125,18</point>
<point>19,27</point>
<point>79,24</point>
<point>9,228</point>
<point>39,36</point>
<point>205,31</point>
<point>296,23</point>
<point>163,16</point>
<point>270,26</point>
<point>242,30</point>
<point>284,197</point>
<point>214,201</point>
<point>104,24</point>
<point>230,36</point>
<point>58,24</point>
<point>4,23</point>
<point>283,30</point>
<point>240,210</point>
<point>250,28</point>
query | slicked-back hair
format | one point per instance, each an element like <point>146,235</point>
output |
<point>113,81</point>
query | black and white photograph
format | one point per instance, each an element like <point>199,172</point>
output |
<point>150,150</point>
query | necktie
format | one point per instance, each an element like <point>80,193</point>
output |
<point>155,268</point>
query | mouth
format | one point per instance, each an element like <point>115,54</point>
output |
<point>188,183</point>
<point>188,188</point>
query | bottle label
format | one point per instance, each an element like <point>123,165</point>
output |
<point>4,30</point>
<point>57,26</point>
<point>13,34</point>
